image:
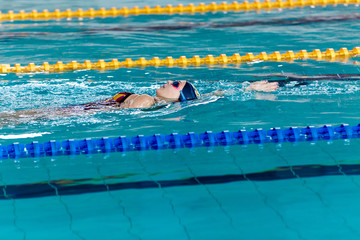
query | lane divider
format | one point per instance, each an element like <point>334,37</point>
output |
<point>175,141</point>
<point>329,55</point>
<point>169,9</point>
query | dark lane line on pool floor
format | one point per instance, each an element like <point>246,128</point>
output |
<point>72,187</point>
<point>265,22</point>
<point>8,36</point>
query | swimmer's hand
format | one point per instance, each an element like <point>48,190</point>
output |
<point>263,86</point>
<point>219,92</point>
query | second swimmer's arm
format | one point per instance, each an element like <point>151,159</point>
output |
<point>260,86</point>
<point>263,86</point>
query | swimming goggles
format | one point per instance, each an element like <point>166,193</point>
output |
<point>176,84</point>
<point>189,92</point>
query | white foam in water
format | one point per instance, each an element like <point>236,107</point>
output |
<point>26,135</point>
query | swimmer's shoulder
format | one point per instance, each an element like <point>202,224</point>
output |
<point>138,101</point>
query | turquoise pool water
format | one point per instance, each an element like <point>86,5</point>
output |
<point>278,191</point>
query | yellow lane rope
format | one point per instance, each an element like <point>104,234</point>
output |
<point>329,55</point>
<point>169,9</point>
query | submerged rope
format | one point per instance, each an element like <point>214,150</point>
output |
<point>329,55</point>
<point>169,9</point>
<point>175,141</point>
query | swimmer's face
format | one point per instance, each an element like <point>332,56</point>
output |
<point>170,93</point>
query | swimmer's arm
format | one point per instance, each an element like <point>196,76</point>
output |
<point>260,86</point>
<point>20,114</point>
<point>263,86</point>
<point>140,101</point>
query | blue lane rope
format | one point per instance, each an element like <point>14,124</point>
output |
<point>175,140</point>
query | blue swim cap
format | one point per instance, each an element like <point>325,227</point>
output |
<point>189,92</point>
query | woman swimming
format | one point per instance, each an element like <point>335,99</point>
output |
<point>172,91</point>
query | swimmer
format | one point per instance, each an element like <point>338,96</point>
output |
<point>172,91</point>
